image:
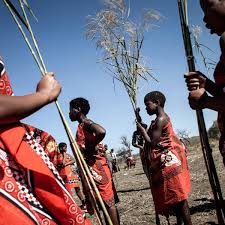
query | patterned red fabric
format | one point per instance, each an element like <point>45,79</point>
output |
<point>47,142</point>
<point>98,166</point>
<point>70,178</point>
<point>5,87</point>
<point>219,76</point>
<point>30,187</point>
<point>167,170</point>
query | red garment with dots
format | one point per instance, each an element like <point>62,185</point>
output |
<point>167,170</point>
<point>31,190</point>
<point>98,166</point>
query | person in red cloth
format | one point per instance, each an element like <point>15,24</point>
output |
<point>198,84</point>
<point>130,160</point>
<point>165,162</point>
<point>70,178</point>
<point>31,190</point>
<point>89,135</point>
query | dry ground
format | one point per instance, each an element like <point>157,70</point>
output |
<point>136,205</point>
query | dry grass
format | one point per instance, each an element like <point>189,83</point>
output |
<point>120,39</point>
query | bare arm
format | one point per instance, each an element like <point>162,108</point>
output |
<point>134,139</point>
<point>15,108</point>
<point>215,103</point>
<point>212,88</point>
<point>143,132</point>
<point>198,99</point>
<point>156,133</point>
<point>72,161</point>
<point>95,128</point>
<point>135,142</point>
<point>195,80</point>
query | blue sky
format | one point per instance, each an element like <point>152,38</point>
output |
<point>60,32</point>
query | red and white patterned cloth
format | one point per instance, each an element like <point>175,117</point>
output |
<point>31,190</point>
<point>98,166</point>
<point>166,168</point>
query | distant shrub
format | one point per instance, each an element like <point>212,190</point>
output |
<point>213,131</point>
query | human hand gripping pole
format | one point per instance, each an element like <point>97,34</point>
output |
<point>196,84</point>
<point>49,87</point>
<point>75,149</point>
<point>207,151</point>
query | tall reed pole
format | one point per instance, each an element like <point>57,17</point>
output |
<point>76,151</point>
<point>206,149</point>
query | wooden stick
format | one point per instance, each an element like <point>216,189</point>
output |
<point>206,149</point>
<point>16,12</point>
<point>75,149</point>
<point>78,155</point>
<point>33,37</point>
<point>24,36</point>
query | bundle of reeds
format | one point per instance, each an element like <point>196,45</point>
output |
<point>121,41</point>
<point>29,37</point>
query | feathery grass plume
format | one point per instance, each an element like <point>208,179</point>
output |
<point>121,41</point>
<point>200,48</point>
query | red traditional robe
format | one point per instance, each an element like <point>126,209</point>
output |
<point>98,166</point>
<point>31,190</point>
<point>167,170</point>
<point>70,178</point>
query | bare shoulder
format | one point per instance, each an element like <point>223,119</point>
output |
<point>162,120</point>
<point>70,156</point>
<point>87,123</point>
